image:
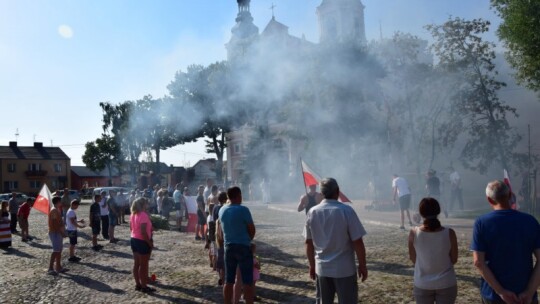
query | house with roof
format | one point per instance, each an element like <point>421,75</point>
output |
<point>26,168</point>
<point>83,177</point>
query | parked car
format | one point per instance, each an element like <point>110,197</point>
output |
<point>73,194</point>
<point>21,197</point>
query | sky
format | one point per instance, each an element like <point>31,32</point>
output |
<point>59,59</point>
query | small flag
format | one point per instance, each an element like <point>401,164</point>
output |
<point>44,200</point>
<point>312,178</point>
<point>513,202</point>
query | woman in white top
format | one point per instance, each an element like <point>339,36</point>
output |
<point>433,250</point>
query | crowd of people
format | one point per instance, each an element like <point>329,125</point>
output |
<point>504,241</point>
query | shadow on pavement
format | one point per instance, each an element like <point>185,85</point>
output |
<point>283,297</point>
<point>273,255</point>
<point>13,251</point>
<point>305,284</point>
<point>206,292</point>
<point>39,245</point>
<point>104,268</point>
<point>117,254</point>
<point>93,284</point>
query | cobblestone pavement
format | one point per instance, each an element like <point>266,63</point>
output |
<point>182,269</point>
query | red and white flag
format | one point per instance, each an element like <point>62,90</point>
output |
<point>43,202</point>
<point>513,202</point>
<point>312,178</point>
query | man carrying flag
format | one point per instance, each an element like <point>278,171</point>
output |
<point>43,200</point>
<point>56,234</point>
<point>311,178</point>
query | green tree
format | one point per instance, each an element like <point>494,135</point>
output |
<point>477,107</point>
<point>519,29</point>
<point>102,153</point>
<point>207,90</point>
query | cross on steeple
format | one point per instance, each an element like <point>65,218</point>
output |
<point>272,8</point>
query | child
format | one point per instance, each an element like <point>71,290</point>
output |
<point>95,221</point>
<point>256,276</point>
<point>211,237</point>
<point>71,228</point>
<point>23,214</point>
<point>5,229</point>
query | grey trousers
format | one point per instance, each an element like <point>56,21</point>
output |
<point>439,296</point>
<point>345,288</point>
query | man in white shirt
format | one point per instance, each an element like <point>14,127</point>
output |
<point>333,237</point>
<point>455,190</point>
<point>104,211</point>
<point>401,189</point>
<point>71,229</point>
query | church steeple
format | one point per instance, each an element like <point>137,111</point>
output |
<point>342,21</point>
<point>244,33</point>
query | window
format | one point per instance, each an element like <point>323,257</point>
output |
<point>34,167</point>
<point>12,167</point>
<point>57,167</point>
<point>35,184</point>
<point>54,184</point>
<point>10,186</point>
<point>236,148</point>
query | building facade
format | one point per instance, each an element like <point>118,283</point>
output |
<point>26,168</point>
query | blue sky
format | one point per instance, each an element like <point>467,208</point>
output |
<point>52,80</point>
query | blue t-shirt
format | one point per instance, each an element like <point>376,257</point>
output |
<point>234,220</point>
<point>508,239</point>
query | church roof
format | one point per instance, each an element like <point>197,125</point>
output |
<point>274,27</point>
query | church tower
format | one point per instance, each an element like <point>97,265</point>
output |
<point>342,21</point>
<point>244,33</point>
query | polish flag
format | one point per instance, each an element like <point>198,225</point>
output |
<point>312,178</point>
<point>513,202</point>
<point>43,202</point>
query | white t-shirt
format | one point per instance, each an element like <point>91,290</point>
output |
<point>210,218</point>
<point>103,209</point>
<point>454,178</point>
<point>71,215</point>
<point>402,186</point>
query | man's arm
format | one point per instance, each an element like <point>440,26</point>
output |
<point>302,204</point>
<point>485,272</point>
<point>394,190</point>
<point>412,250</point>
<point>534,281</point>
<point>360,251</point>
<point>219,234</point>
<point>251,230</point>
<point>310,253</point>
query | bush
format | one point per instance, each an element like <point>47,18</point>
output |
<point>159,222</point>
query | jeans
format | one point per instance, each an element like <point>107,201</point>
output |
<point>237,255</point>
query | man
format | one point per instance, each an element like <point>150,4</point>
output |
<point>503,243</point>
<point>333,236</point>
<point>104,210</point>
<point>66,203</point>
<point>455,189</point>
<point>179,205</point>
<point>213,197</point>
<point>201,218</point>
<point>237,229</point>
<point>23,214</point>
<point>13,210</point>
<point>208,189</point>
<point>95,219</point>
<point>113,214</point>
<point>71,228</point>
<point>400,188</point>
<point>56,234</point>
<point>433,188</point>
<point>310,199</point>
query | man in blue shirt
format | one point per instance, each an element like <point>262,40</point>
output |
<point>503,244</point>
<point>238,230</point>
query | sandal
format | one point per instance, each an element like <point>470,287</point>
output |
<point>148,289</point>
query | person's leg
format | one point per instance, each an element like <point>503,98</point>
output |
<point>402,218</point>
<point>423,296</point>
<point>409,216</point>
<point>105,226</point>
<point>347,289</point>
<point>51,261</point>
<point>245,264</point>
<point>327,288</point>
<point>446,295</point>
<point>71,250</point>
<point>136,269</point>
<point>237,293</point>
<point>13,223</point>
<point>143,269</point>
<point>460,198</point>
<point>58,260</point>
<point>317,291</point>
<point>231,264</point>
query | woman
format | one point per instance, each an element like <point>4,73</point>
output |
<point>5,229</point>
<point>433,250</point>
<point>141,243</point>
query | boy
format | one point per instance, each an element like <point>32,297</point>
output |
<point>71,226</point>
<point>95,218</point>
<point>211,236</point>
<point>56,234</point>
<point>22,214</point>
<point>201,218</point>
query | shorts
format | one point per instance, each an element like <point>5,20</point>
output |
<point>23,223</point>
<point>56,241</point>
<point>201,217</point>
<point>241,256</point>
<point>113,219</point>
<point>405,202</point>
<point>72,235</point>
<point>139,246</point>
<point>96,228</point>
